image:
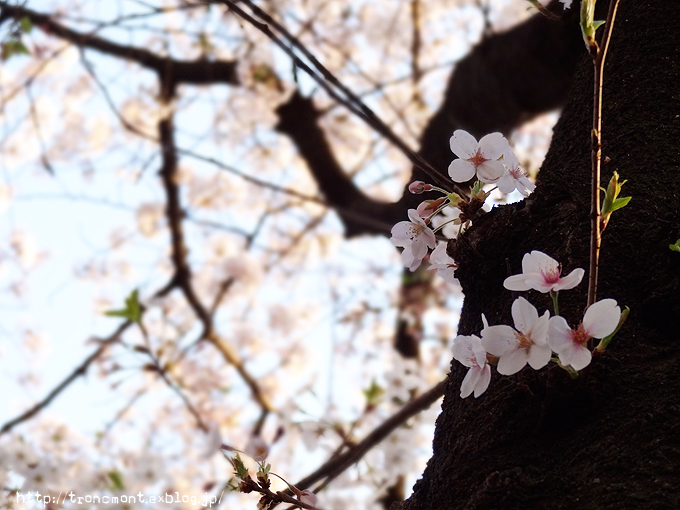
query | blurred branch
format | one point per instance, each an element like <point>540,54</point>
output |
<point>80,370</point>
<point>335,466</point>
<point>333,86</point>
<point>182,277</point>
<point>196,72</point>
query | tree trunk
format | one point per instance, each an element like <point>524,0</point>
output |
<point>611,438</point>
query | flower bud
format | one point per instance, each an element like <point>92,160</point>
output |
<point>428,207</point>
<point>418,187</point>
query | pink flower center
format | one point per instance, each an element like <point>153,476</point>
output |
<point>579,335</point>
<point>552,275</point>
<point>478,158</point>
<point>516,172</point>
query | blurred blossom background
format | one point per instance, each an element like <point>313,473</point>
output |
<point>291,332</point>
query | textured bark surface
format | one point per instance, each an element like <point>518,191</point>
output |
<point>611,438</point>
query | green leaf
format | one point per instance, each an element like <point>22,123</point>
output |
<point>116,479</point>
<point>676,246</point>
<point>620,202</point>
<point>13,47</point>
<point>373,393</point>
<point>26,25</point>
<point>598,24</point>
<point>133,310</point>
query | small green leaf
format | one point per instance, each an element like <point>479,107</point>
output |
<point>373,394</point>
<point>26,25</point>
<point>116,479</point>
<point>133,310</point>
<point>620,202</point>
<point>676,246</point>
<point>13,47</point>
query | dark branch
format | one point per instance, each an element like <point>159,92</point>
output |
<point>174,72</point>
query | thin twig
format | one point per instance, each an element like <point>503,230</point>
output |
<point>596,154</point>
<point>80,370</point>
<point>334,87</point>
<point>335,466</point>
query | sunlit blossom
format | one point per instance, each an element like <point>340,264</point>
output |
<point>542,273</point>
<point>527,344</point>
<point>571,345</point>
<point>468,351</point>
<point>479,158</point>
<point>415,237</point>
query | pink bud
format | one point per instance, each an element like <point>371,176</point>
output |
<point>417,187</point>
<point>428,207</point>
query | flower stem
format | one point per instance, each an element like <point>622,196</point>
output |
<point>553,295</point>
<point>596,154</point>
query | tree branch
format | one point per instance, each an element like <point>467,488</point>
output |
<point>80,370</point>
<point>174,72</point>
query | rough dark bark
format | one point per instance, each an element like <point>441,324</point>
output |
<point>611,438</point>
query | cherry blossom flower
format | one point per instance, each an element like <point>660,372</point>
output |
<point>571,345</point>
<point>542,273</point>
<point>415,237</point>
<point>443,264</point>
<point>257,448</point>
<point>480,158</point>
<point>515,348</point>
<point>308,497</point>
<point>468,351</point>
<point>514,177</point>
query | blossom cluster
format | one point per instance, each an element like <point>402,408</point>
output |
<point>490,161</point>
<point>534,337</point>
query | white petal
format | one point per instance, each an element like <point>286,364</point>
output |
<point>463,144</point>
<point>602,318</point>
<point>512,362</point>
<point>463,349</point>
<point>559,335</point>
<point>580,357</point>
<point>479,352</point>
<point>419,247</point>
<point>537,282</point>
<point>483,381</point>
<point>461,170</point>
<point>525,186</point>
<point>493,145</point>
<point>571,280</point>
<point>524,314</point>
<point>516,282</point>
<point>537,261</point>
<point>539,331</point>
<point>498,340</point>
<point>439,256</point>
<point>506,184</point>
<point>415,217</point>
<point>429,237</point>
<point>490,171</point>
<point>539,355</point>
<point>469,382</point>
<point>510,159</point>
